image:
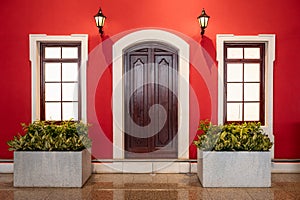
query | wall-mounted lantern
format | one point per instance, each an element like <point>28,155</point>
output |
<point>100,19</point>
<point>203,21</point>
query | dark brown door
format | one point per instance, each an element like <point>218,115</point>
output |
<point>150,79</point>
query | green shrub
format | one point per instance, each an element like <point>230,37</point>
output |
<point>248,136</point>
<point>48,136</point>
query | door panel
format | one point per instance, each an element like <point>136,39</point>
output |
<point>151,78</point>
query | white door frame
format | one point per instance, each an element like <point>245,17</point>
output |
<point>183,87</point>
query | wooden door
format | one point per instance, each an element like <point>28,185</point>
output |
<point>150,72</point>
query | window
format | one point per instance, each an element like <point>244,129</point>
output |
<point>244,82</point>
<point>239,58</point>
<point>58,71</point>
<point>60,94</point>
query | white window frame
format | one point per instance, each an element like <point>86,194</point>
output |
<point>269,41</point>
<point>34,41</point>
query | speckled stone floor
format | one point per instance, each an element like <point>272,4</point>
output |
<point>147,186</point>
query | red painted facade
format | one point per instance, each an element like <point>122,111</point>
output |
<point>56,17</point>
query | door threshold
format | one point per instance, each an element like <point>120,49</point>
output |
<point>144,160</point>
<point>144,166</point>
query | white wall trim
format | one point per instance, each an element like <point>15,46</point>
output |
<point>177,167</point>
<point>269,40</point>
<point>7,168</point>
<point>285,167</point>
<point>183,84</point>
<point>34,55</point>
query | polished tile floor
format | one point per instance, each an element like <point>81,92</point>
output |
<point>149,186</point>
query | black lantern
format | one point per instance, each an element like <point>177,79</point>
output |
<point>100,19</point>
<point>203,21</point>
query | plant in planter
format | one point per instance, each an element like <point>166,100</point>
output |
<point>52,155</point>
<point>233,155</point>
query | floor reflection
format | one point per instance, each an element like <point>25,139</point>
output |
<point>146,186</point>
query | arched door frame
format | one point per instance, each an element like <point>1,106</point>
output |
<point>151,35</point>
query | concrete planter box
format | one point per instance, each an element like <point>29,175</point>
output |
<point>51,169</point>
<point>234,169</point>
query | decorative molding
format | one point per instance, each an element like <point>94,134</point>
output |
<point>183,84</point>
<point>34,41</point>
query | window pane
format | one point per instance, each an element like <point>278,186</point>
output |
<point>251,92</point>
<point>234,92</point>
<point>69,72</point>
<point>235,72</point>
<point>251,112</point>
<point>52,72</point>
<point>235,53</point>
<point>234,111</point>
<point>70,111</point>
<point>252,53</point>
<point>53,111</point>
<point>52,52</point>
<point>252,72</point>
<point>69,92</point>
<point>69,52</point>
<point>52,91</point>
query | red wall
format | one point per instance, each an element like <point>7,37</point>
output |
<point>57,17</point>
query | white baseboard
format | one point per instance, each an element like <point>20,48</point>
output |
<point>285,167</point>
<point>7,168</point>
<point>159,167</point>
